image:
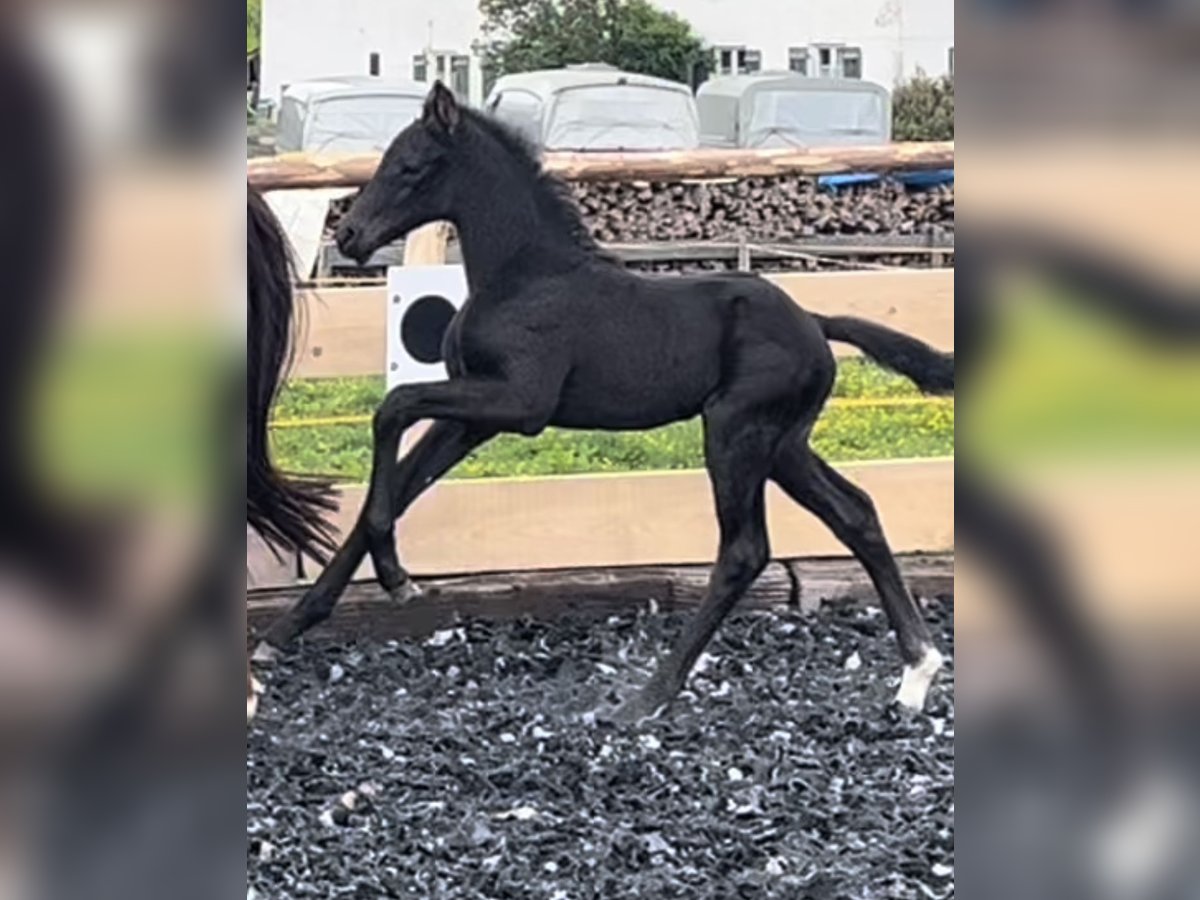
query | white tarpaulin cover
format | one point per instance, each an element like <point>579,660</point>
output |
<point>302,214</point>
<point>789,118</point>
<point>621,117</point>
<point>359,124</point>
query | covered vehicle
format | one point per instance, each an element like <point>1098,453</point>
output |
<point>347,114</point>
<point>596,107</point>
<point>785,109</point>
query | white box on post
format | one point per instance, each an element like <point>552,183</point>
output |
<point>421,302</point>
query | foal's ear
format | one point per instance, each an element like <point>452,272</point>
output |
<point>441,109</point>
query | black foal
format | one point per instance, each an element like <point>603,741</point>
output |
<point>556,333</point>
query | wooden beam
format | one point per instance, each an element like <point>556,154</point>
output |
<point>638,518</point>
<point>344,333</point>
<point>298,170</point>
<point>367,613</point>
<point>427,245</point>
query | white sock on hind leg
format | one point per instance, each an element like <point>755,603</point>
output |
<point>264,653</point>
<point>915,682</point>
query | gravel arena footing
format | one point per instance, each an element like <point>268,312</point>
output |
<point>482,762</point>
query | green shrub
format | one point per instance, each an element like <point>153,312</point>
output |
<point>634,35</point>
<point>923,109</point>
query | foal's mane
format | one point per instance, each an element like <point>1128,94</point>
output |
<point>552,195</point>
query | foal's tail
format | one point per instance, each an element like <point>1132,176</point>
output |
<point>287,512</point>
<point>930,369</point>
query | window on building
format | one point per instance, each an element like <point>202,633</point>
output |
<point>951,62</point>
<point>798,60</point>
<point>420,68</point>
<point>460,76</point>
<point>737,60</point>
<point>838,61</point>
<point>440,67</point>
<point>849,62</point>
<point>825,62</point>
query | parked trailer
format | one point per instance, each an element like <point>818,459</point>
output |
<point>783,109</point>
<point>596,107</point>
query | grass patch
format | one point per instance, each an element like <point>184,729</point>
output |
<point>314,397</point>
<point>130,415</point>
<point>1061,383</point>
<point>842,434</point>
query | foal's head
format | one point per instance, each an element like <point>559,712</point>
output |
<point>410,188</point>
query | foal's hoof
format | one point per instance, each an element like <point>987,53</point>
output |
<point>639,709</point>
<point>266,653</point>
<point>915,682</point>
<point>405,592</point>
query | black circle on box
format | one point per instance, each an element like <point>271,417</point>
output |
<point>423,326</point>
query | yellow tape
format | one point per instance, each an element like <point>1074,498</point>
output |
<point>835,403</point>
<point>322,422</point>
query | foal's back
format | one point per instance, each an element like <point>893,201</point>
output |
<point>646,350</point>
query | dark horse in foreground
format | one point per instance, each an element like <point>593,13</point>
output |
<point>556,333</point>
<point>287,512</point>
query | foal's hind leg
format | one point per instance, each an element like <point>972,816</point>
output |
<point>850,514</point>
<point>739,446</point>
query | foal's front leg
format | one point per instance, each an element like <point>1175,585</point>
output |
<point>438,450</point>
<point>486,405</point>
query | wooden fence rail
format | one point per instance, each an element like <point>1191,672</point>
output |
<point>300,170</point>
<point>625,519</point>
<point>345,327</point>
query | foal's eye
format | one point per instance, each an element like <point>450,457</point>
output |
<point>412,172</point>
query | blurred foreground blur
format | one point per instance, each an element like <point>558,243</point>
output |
<point>1078,450</point>
<point>120,340</point>
<point>1078,602</point>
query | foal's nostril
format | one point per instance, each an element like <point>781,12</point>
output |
<point>346,234</point>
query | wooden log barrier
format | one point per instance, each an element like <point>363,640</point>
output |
<point>300,170</point>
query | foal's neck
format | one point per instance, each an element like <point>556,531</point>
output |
<point>502,222</point>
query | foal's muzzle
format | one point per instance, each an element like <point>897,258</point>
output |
<point>350,243</point>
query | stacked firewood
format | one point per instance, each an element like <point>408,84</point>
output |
<point>758,209</point>
<point>762,209</point>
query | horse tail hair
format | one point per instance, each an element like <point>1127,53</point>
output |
<point>930,369</point>
<point>289,512</point>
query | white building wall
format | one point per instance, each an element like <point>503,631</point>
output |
<point>896,36</point>
<point>312,38</point>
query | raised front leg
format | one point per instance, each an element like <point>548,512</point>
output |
<point>483,406</point>
<point>438,450</point>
